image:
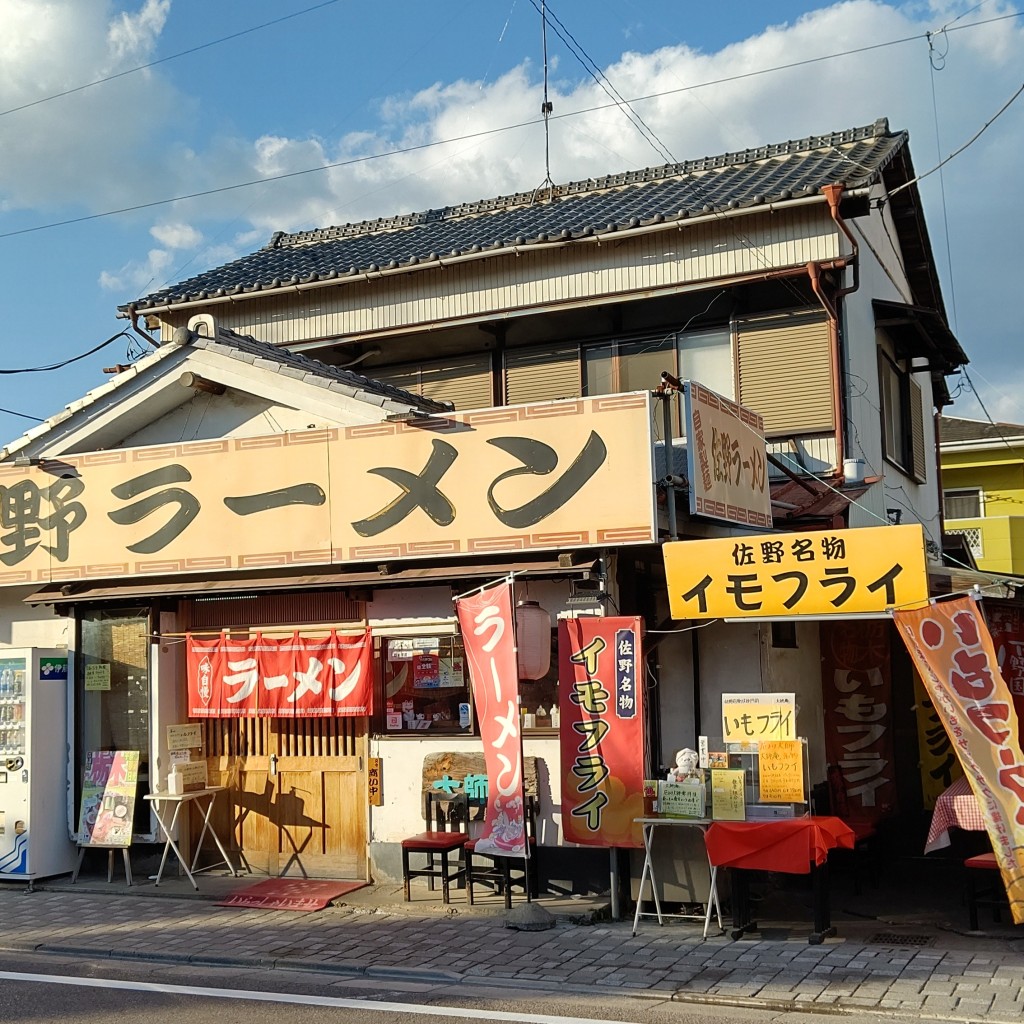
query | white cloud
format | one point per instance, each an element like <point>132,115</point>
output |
<point>177,235</point>
<point>136,276</point>
<point>133,35</point>
<point>137,136</point>
<point>88,149</point>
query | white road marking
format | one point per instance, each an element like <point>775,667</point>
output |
<point>303,1000</point>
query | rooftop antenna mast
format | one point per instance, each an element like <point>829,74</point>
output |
<point>545,108</point>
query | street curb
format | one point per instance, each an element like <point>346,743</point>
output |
<point>536,984</point>
<point>413,974</point>
<point>470,981</point>
<point>287,963</point>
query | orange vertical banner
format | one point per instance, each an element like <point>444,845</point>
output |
<point>488,635</point>
<point>600,683</point>
<point>953,650</point>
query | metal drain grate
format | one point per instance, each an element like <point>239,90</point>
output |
<point>892,939</point>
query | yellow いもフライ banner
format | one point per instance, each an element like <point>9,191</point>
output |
<point>831,572</point>
<point>952,648</point>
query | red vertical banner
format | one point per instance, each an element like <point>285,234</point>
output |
<point>600,684</point>
<point>488,636</point>
<point>856,684</point>
<point>1006,624</point>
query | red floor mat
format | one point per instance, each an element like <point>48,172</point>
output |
<point>301,894</point>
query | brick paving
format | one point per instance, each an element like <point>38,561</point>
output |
<point>955,977</point>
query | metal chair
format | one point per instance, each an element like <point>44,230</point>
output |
<point>501,873</point>
<point>448,815</point>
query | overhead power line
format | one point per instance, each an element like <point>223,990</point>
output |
<point>68,362</point>
<point>164,60</point>
<point>23,415</point>
<point>401,151</point>
<point>593,69</point>
<point>956,152</point>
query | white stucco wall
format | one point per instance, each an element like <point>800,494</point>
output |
<point>738,658</point>
<point>798,670</point>
<point>26,625</point>
<point>881,278</point>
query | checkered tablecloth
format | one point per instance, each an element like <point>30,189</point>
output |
<point>957,807</point>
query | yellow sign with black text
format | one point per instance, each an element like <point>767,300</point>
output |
<point>778,575</point>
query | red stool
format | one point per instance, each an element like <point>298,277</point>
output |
<point>437,845</point>
<point>984,893</point>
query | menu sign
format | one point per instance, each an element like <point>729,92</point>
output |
<point>727,803</point>
<point>108,798</point>
<point>781,771</point>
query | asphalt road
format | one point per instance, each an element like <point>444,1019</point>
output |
<point>39,989</point>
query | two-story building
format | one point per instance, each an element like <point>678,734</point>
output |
<point>795,278</point>
<point>983,490</point>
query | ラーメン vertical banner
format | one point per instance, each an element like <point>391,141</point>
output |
<point>600,681</point>
<point>954,654</point>
<point>488,636</point>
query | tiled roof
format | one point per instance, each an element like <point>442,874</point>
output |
<point>953,430</point>
<point>247,349</point>
<point>313,371</point>
<point>742,180</point>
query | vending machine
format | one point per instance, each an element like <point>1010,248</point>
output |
<point>34,841</point>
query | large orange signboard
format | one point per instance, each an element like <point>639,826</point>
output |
<point>775,575</point>
<point>535,477</point>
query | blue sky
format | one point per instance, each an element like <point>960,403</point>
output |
<point>349,79</point>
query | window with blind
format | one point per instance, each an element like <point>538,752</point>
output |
<point>902,419</point>
<point>542,374</point>
<point>785,371</point>
<point>963,503</point>
<point>465,381</point>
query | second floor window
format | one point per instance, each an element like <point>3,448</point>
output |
<point>964,503</point>
<point>902,419</point>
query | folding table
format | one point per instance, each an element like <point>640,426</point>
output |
<point>649,826</point>
<point>162,802</point>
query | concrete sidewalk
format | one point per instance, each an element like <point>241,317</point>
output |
<point>899,967</point>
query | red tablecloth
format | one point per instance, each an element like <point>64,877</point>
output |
<point>790,845</point>
<point>956,807</point>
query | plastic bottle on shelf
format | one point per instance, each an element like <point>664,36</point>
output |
<point>555,716</point>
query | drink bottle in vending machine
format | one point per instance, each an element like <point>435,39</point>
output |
<point>34,837</point>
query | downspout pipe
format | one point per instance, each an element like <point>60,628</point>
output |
<point>814,271</point>
<point>833,195</point>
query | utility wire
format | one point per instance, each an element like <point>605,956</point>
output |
<point>23,415</point>
<point>401,151</point>
<point>974,138</point>
<point>73,359</point>
<point>595,72</point>
<point>164,60</point>
<point>648,133</point>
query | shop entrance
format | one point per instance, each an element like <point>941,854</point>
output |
<point>296,793</point>
<point>296,801</point>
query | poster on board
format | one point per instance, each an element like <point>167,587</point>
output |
<point>108,798</point>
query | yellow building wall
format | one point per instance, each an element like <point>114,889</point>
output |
<point>1000,475</point>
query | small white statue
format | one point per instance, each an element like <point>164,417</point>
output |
<point>687,760</point>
